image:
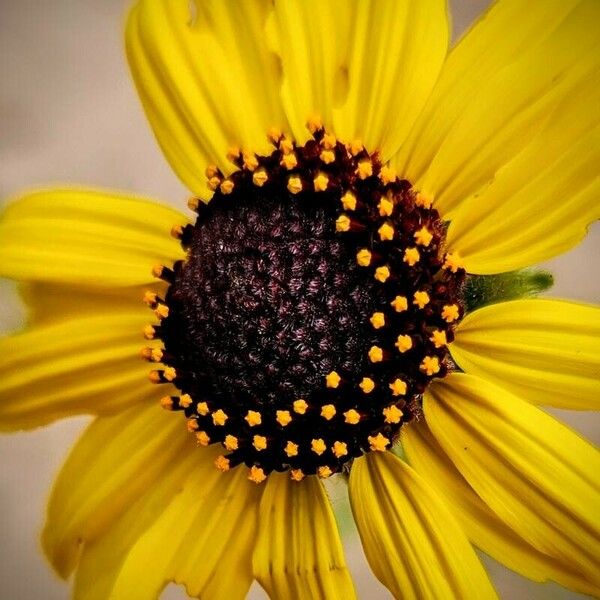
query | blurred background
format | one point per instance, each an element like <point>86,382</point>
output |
<point>68,113</point>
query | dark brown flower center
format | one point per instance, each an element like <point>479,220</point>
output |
<point>314,307</point>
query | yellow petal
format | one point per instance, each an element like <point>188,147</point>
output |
<point>480,524</point>
<point>102,558</point>
<point>413,543</point>
<point>111,465</point>
<point>86,237</point>
<point>206,80</point>
<point>298,552</point>
<point>49,303</point>
<point>544,351</point>
<point>540,203</point>
<point>537,475</point>
<point>359,64</point>
<point>499,86</point>
<point>87,364</point>
<point>204,538</point>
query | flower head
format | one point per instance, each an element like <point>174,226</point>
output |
<point>351,187</point>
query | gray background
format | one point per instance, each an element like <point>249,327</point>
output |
<point>68,113</point>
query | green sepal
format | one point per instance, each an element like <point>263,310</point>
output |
<point>481,290</point>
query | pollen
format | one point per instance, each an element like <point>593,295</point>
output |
<point>382,274</point>
<point>227,186</point>
<point>424,201</point>
<point>450,313</point>
<point>185,400</point>
<point>367,385</point>
<point>233,153</point>
<point>404,343</point>
<point>421,299</point>
<point>230,442</point>
<point>321,181</point>
<point>423,237</point>
<point>324,472</point>
<point>411,256</point>
<point>430,365</point>
<point>156,354</point>
<point>256,474</point>
<point>157,271</point>
<point>312,306</point>
<point>386,232</point>
<point>328,412</point>
<point>318,446</point>
<point>219,417</point>
<point>392,414</point>
<point>340,449</point>
<point>438,338</point>
<point>342,224</point>
<point>349,201</point>
<point>274,135</point>
<point>327,156</point>
<point>289,161</point>
<point>363,257</point>
<point>203,438</point>
<point>259,442</point>
<point>329,141</point>
<point>260,177</point>
<point>253,418</point>
<point>286,145</point>
<point>387,175</point>
<point>398,387</point>
<point>332,380</point>
<point>314,124</point>
<point>364,169</point>
<point>212,184</point>
<point>400,303</point>
<point>222,463</point>
<point>149,332</point>
<point>355,147</point>
<point>377,320</point>
<point>291,449</point>
<point>375,354</point>
<point>294,184</point>
<point>352,417</point>
<point>161,311</point>
<point>296,475</point>
<point>193,202</point>
<point>211,171</point>
<point>378,443</point>
<point>386,207</point>
<point>300,406</point>
<point>453,262</point>
<point>250,161</point>
<point>150,299</point>
<point>177,231</point>
<point>283,417</point>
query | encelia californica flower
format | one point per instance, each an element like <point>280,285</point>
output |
<point>351,300</point>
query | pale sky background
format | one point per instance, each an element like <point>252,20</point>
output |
<point>68,113</point>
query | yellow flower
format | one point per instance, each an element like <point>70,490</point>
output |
<point>260,299</point>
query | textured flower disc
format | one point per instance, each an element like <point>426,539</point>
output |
<point>315,305</point>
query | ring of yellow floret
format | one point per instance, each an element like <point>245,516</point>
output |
<point>398,239</point>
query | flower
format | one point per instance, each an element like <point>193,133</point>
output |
<point>487,139</point>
